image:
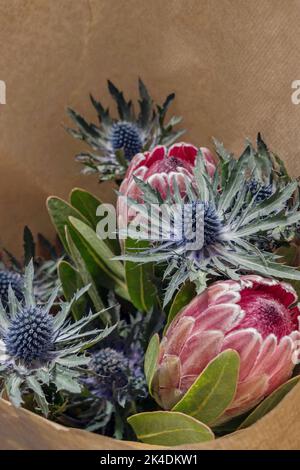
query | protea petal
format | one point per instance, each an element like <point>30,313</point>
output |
<point>247,343</point>
<point>166,382</point>
<point>221,316</point>
<point>186,152</point>
<point>177,340</point>
<point>199,350</point>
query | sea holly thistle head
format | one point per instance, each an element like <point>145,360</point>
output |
<point>118,375</point>
<point>227,219</point>
<point>115,141</point>
<point>13,279</point>
<point>39,350</point>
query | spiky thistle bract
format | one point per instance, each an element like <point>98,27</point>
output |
<point>46,257</point>
<point>232,221</point>
<point>39,351</point>
<point>115,141</point>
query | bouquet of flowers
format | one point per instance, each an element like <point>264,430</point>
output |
<point>172,318</point>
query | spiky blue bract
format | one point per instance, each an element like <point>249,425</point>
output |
<point>126,136</point>
<point>15,280</point>
<point>30,336</point>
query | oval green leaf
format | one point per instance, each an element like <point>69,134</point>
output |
<point>166,428</point>
<point>71,282</point>
<point>90,251</point>
<point>214,390</point>
<point>139,279</point>
<point>60,211</point>
<point>85,274</point>
<point>87,204</point>
<point>185,294</point>
<point>270,402</point>
<point>98,247</point>
<point>151,359</point>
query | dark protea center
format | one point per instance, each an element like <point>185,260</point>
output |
<point>200,218</point>
<point>126,136</point>
<point>260,191</point>
<point>30,336</point>
<point>15,280</point>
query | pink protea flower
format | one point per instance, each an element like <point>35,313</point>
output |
<point>255,317</point>
<point>159,168</point>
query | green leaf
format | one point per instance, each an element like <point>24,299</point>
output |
<point>91,262</point>
<point>270,402</point>
<point>86,204</point>
<point>86,276</point>
<point>185,294</point>
<point>139,279</point>
<point>151,357</point>
<point>214,390</point>
<point>167,428</point>
<point>59,212</point>
<point>71,282</point>
<point>104,255</point>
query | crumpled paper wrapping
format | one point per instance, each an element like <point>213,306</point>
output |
<point>20,429</point>
<point>231,64</point>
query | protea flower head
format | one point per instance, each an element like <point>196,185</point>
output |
<point>13,279</point>
<point>220,214</point>
<point>161,168</point>
<point>38,350</point>
<point>116,141</point>
<point>254,316</point>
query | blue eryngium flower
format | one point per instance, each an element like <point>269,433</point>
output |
<point>198,216</point>
<point>127,136</point>
<point>30,336</point>
<point>15,280</point>
<point>114,141</point>
<point>118,375</point>
<point>216,228</point>
<point>38,350</point>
